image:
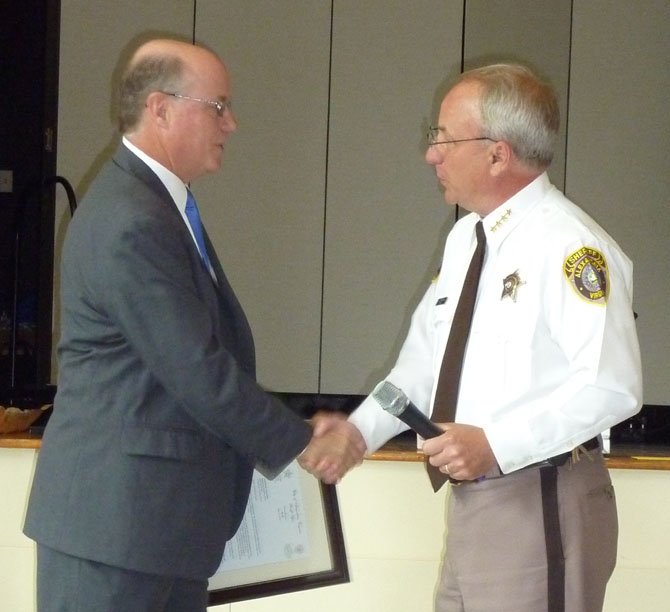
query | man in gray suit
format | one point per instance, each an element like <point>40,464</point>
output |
<point>158,422</point>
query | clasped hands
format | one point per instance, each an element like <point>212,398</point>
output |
<point>336,447</point>
<point>462,451</point>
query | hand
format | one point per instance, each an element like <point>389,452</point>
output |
<point>335,448</point>
<point>323,420</point>
<point>462,451</point>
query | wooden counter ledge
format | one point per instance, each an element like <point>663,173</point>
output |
<point>22,439</point>
<point>403,448</point>
<point>621,457</point>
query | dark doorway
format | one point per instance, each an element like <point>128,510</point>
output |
<point>29,35</point>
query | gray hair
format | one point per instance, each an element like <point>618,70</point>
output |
<point>150,73</point>
<point>519,108</point>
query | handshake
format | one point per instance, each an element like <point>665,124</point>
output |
<point>336,447</point>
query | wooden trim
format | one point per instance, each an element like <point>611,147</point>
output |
<point>622,457</point>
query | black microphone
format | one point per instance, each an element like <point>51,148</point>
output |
<point>395,402</point>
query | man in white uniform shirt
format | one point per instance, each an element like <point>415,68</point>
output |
<point>552,361</point>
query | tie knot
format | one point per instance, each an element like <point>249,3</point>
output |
<point>479,231</point>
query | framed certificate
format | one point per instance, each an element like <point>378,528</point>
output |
<point>290,539</point>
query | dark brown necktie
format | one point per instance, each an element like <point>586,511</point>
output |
<point>446,395</point>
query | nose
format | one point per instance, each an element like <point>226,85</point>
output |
<point>229,122</point>
<point>433,155</point>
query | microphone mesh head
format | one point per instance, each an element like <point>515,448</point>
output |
<point>390,398</point>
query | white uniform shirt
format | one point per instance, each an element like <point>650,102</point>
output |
<point>552,358</point>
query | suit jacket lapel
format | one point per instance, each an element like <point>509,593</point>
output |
<point>127,160</point>
<point>228,301</point>
<point>226,298</point>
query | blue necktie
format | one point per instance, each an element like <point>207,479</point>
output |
<point>193,217</point>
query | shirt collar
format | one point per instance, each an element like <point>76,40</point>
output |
<point>172,182</point>
<point>500,222</point>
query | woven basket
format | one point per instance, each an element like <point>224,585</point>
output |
<point>13,420</point>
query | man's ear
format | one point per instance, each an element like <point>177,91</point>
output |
<point>158,107</point>
<point>500,156</point>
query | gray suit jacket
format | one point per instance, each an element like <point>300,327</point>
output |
<point>147,459</point>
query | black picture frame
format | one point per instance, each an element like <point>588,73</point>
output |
<point>286,577</point>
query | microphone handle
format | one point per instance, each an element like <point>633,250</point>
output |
<point>419,422</point>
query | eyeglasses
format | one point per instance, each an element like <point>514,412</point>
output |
<point>220,107</point>
<point>433,134</point>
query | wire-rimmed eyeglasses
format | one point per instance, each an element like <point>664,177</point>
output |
<point>220,106</point>
<point>433,132</point>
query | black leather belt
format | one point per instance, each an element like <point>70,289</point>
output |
<point>556,461</point>
<point>561,459</point>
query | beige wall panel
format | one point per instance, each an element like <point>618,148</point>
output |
<point>618,151</point>
<point>377,585</point>
<point>394,535</point>
<point>533,32</point>
<point>94,33</point>
<point>264,210</point>
<point>17,552</point>
<point>641,579</point>
<point>385,216</point>
<point>17,579</point>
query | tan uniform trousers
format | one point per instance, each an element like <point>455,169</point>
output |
<point>496,557</point>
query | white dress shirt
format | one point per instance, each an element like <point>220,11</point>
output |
<point>552,358</point>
